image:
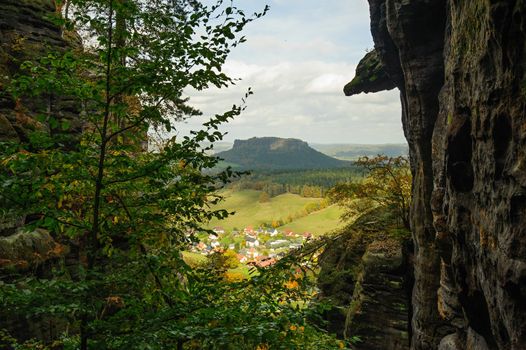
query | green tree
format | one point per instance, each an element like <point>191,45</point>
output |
<point>130,213</point>
<point>224,261</point>
<point>387,183</point>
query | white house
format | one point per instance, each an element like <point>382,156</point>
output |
<point>251,242</point>
<point>218,230</point>
<point>242,259</point>
<point>273,233</point>
<point>278,244</point>
<point>252,253</point>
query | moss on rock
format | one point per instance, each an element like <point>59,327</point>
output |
<point>28,248</point>
<point>370,76</point>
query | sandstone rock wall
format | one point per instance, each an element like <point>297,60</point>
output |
<point>459,66</point>
<point>365,273</point>
<point>379,309</point>
<point>26,34</point>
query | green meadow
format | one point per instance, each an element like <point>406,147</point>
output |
<point>250,211</point>
<point>317,223</point>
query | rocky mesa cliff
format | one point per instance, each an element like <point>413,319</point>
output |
<point>460,69</point>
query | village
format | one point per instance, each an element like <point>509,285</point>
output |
<point>260,247</point>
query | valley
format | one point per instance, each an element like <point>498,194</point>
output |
<point>262,232</point>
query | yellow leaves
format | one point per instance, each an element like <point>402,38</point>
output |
<point>292,284</point>
<point>234,276</point>
<point>18,43</point>
<point>341,345</point>
<point>49,186</point>
<point>6,161</point>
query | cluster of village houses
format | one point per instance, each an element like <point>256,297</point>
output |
<point>251,250</point>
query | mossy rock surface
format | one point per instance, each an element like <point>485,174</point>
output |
<point>370,76</point>
<point>27,248</point>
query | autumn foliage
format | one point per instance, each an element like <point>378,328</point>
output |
<point>387,183</point>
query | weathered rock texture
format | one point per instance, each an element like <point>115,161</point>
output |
<point>30,252</point>
<point>29,249</point>
<point>370,76</point>
<point>26,34</point>
<point>460,68</point>
<point>378,312</point>
<point>366,274</point>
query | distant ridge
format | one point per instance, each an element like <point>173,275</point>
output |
<point>278,153</point>
<point>354,151</point>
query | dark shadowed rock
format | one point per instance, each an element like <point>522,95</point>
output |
<point>365,272</point>
<point>460,67</point>
<point>27,34</point>
<point>379,309</point>
<point>28,249</point>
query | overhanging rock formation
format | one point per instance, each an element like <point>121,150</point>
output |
<point>460,68</point>
<point>370,76</point>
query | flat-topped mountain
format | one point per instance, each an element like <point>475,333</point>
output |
<point>278,153</point>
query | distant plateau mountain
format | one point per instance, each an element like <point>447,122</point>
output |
<point>260,153</point>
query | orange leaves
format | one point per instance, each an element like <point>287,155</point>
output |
<point>292,284</point>
<point>115,301</point>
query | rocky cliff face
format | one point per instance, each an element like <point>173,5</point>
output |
<point>365,273</point>
<point>460,68</point>
<point>26,34</point>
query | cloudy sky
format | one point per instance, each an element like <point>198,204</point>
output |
<point>297,60</point>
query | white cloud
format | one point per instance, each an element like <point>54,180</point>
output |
<point>297,61</point>
<point>327,83</point>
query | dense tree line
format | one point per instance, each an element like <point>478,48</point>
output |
<point>313,183</point>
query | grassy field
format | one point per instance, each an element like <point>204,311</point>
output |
<point>317,223</point>
<point>195,259</point>
<point>250,212</point>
